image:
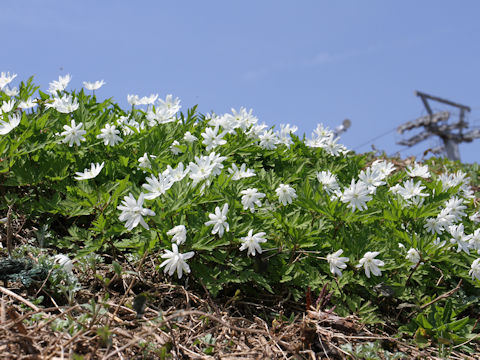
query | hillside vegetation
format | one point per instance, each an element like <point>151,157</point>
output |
<point>117,218</point>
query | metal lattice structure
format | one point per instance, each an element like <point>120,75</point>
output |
<point>436,124</point>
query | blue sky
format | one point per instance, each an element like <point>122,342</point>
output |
<point>297,62</point>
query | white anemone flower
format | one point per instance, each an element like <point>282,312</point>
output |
<point>90,173</point>
<point>64,261</point>
<point>12,123</point>
<point>251,242</point>
<point>175,261</point>
<point>212,139</point>
<point>27,104</point>
<point>6,78</point>
<point>157,185</point>
<point>250,198</point>
<point>11,92</point>
<point>370,264</point>
<point>219,221</point>
<point>93,86</point>
<point>179,234</point>
<point>73,134</point>
<point>328,181</point>
<point>285,194</point>
<point>133,211</point>
<point>7,106</point>
<point>413,256</point>
<point>144,162</point>
<point>188,137</point>
<point>337,262</point>
<point>475,269</point>
<point>109,135</point>
<point>240,173</point>
<point>356,195</point>
<point>459,238</point>
<point>60,84</point>
<point>418,170</point>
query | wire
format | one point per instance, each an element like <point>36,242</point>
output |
<point>455,113</point>
<point>375,138</point>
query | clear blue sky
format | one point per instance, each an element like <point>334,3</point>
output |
<point>297,62</point>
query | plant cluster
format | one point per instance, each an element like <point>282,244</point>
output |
<point>233,204</point>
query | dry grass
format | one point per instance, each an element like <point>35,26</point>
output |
<point>179,324</point>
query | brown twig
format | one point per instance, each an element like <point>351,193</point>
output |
<point>19,298</point>
<point>9,230</point>
<point>443,296</point>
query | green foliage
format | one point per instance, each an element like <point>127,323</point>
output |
<point>37,177</point>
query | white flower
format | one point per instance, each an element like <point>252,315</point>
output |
<point>268,140</point>
<point>148,100</point>
<point>383,167</point>
<point>240,173</point>
<point>66,104</point>
<point>216,161</point>
<point>11,92</point>
<point>60,84</point>
<point>219,221</point>
<point>413,256</point>
<point>251,242</point>
<point>6,78</point>
<point>356,196</point>
<point>328,180</point>
<point>475,269</point>
<point>446,218</point>
<point>176,174</point>
<point>201,169</point>
<point>188,137</point>
<point>126,124</point>
<point>73,134</point>
<point>242,119</point>
<point>12,123</point>
<point>250,198</point>
<point>7,106</point>
<point>133,211</point>
<point>93,86</point>
<point>372,178</point>
<point>170,106</point>
<point>90,174</point>
<point>475,217</point>
<point>285,194</point>
<point>439,243</point>
<point>64,261</point>
<point>323,137</point>
<point>176,261</point>
<point>284,135</point>
<point>256,130</point>
<point>179,234</point>
<point>371,264</point>
<point>418,171</point>
<point>411,190</point>
<point>133,99</point>
<point>212,139</point>
<point>474,240</point>
<point>435,225</point>
<point>144,162</point>
<point>337,262</point>
<point>110,135</point>
<point>27,104</point>
<point>455,208</point>
<point>175,149</point>
<point>157,185</point>
<point>459,238</point>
